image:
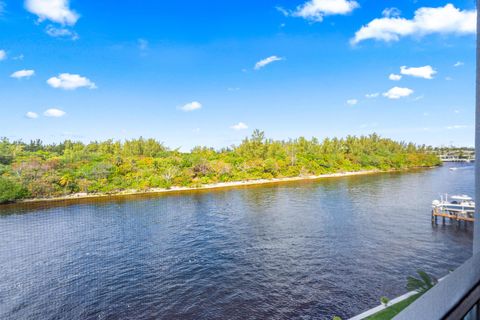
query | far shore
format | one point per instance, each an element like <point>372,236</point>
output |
<point>220,185</point>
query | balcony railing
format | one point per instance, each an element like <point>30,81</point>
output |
<point>452,298</point>
<point>458,295</point>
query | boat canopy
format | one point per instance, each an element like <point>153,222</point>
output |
<point>461,198</point>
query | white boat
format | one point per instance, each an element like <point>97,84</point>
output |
<point>460,205</point>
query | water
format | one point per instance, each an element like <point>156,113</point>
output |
<point>306,250</point>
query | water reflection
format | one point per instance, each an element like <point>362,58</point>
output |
<point>303,249</point>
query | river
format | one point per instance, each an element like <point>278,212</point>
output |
<point>308,250</point>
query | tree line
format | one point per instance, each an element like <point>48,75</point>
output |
<point>38,170</point>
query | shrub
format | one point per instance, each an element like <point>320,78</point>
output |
<point>384,301</point>
<point>11,191</point>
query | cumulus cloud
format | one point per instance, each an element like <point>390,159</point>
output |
<point>262,63</point>
<point>192,106</point>
<point>61,33</point>
<point>316,10</point>
<point>397,93</point>
<point>31,115</point>
<point>458,64</point>
<point>54,112</point>
<point>372,95</point>
<point>239,126</point>
<point>394,77</point>
<point>3,55</point>
<point>442,20</point>
<point>69,81</point>
<point>352,102</point>
<point>54,10</point>
<point>425,72</point>
<point>22,74</point>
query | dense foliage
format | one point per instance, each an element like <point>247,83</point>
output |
<point>36,170</point>
<point>11,191</point>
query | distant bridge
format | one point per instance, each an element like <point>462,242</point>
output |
<point>450,158</point>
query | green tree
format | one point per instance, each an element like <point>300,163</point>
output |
<point>11,191</point>
<point>48,170</point>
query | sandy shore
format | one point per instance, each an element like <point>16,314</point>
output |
<point>233,184</point>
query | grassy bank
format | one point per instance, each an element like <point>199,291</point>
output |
<point>393,310</point>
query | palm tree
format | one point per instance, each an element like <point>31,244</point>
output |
<point>65,181</point>
<point>422,284</point>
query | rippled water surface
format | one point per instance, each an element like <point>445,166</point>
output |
<point>306,250</point>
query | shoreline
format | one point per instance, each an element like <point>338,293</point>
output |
<point>213,186</point>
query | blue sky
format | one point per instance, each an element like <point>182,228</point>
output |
<point>209,72</point>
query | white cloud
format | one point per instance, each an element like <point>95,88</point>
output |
<point>22,74</point>
<point>54,10</point>
<point>19,57</point>
<point>284,11</point>
<point>448,78</point>
<point>262,63</point>
<point>369,125</point>
<point>61,32</point>
<point>397,93</point>
<point>352,102</point>
<point>233,89</point>
<point>31,115</point>
<point>2,7</point>
<point>71,135</point>
<point>69,81</point>
<point>456,127</point>
<point>316,10</point>
<point>458,64</point>
<point>142,44</point>
<point>394,77</point>
<point>192,106</point>
<point>3,55</point>
<point>442,20</point>
<point>425,72</point>
<point>391,12</point>
<point>372,95</point>
<point>239,126</point>
<point>55,113</point>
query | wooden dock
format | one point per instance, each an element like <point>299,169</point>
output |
<point>447,215</point>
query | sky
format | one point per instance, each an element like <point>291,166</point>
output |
<point>208,73</point>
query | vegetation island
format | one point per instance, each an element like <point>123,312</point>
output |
<point>40,171</point>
